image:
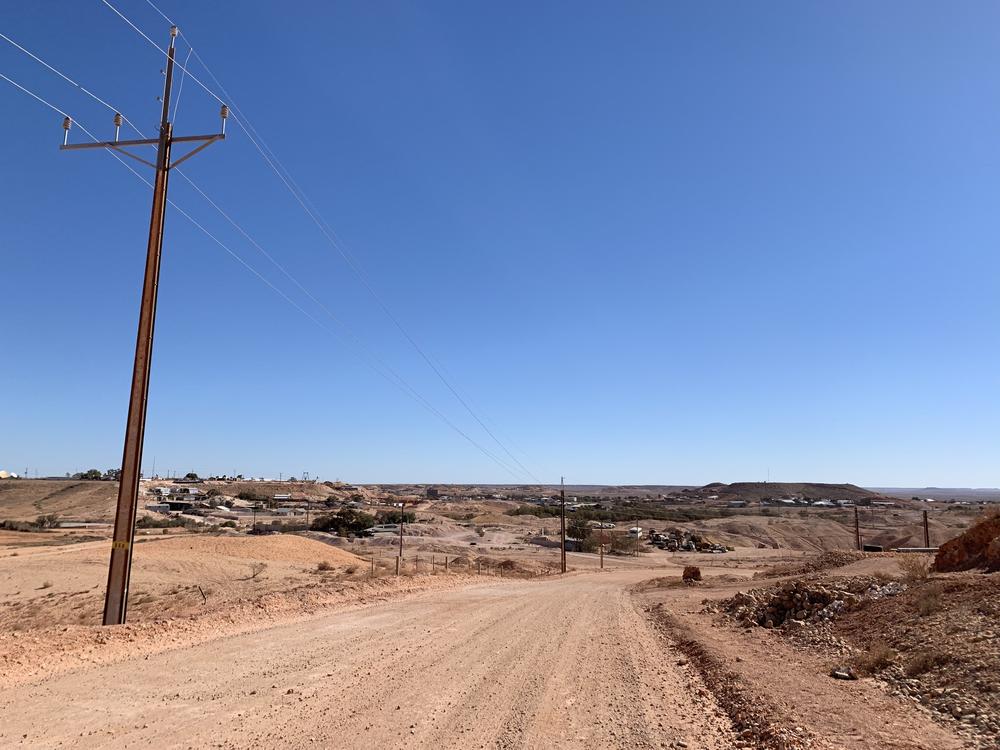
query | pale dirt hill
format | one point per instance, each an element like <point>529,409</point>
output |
<point>26,499</point>
<point>66,584</point>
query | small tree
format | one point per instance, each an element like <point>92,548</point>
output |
<point>578,528</point>
<point>191,475</point>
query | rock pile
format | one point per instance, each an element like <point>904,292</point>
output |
<point>795,603</point>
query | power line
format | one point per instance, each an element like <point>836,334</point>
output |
<point>267,154</point>
<point>310,208</point>
<point>373,361</point>
<point>69,80</point>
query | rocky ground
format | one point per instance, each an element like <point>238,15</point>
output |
<point>933,641</point>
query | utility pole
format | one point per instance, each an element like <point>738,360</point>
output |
<point>927,532</point>
<point>402,517</point>
<point>857,529</point>
<point>119,570</point>
<point>562,530</point>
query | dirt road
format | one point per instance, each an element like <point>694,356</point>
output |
<point>533,664</point>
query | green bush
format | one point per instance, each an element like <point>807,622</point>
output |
<point>344,522</point>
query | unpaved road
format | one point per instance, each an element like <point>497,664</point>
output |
<point>562,662</point>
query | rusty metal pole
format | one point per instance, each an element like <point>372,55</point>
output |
<point>116,599</point>
<point>927,532</point>
<point>562,531</point>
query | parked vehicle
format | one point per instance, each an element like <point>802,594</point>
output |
<point>384,528</point>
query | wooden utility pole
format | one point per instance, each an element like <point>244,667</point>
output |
<point>562,521</point>
<point>116,598</point>
<point>857,529</point>
<point>402,517</point>
<point>927,532</point>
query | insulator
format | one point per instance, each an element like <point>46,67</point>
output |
<point>118,119</point>
<point>67,123</point>
<point>224,112</point>
<point>174,31</point>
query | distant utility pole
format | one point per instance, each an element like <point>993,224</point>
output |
<point>402,517</point>
<point>857,529</point>
<point>116,599</point>
<point>927,532</point>
<point>562,530</point>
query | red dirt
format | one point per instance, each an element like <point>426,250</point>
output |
<point>978,548</point>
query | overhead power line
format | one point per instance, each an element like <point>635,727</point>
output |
<point>328,232</point>
<point>370,358</point>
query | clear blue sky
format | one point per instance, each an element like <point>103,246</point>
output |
<point>652,242</point>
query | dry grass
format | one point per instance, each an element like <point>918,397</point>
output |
<point>923,661</point>
<point>916,568</point>
<point>878,656</point>
<point>929,599</point>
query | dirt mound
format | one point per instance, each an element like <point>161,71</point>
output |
<point>977,548</point>
<point>25,499</point>
<point>816,564</point>
<point>274,548</point>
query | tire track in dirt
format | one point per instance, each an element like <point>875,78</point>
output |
<point>502,666</point>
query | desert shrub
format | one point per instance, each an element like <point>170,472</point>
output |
<point>257,568</point>
<point>228,524</point>
<point>916,568</point>
<point>877,657</point>
<point>929,600</point>
<point>924,661</point>
<point>46,585</point>
<point>18,526</point>
<point>344,522</point>
<point>254,496</point>
<point>49,521</point>
<point>351,569</point>
<point>394,516</point>
<point>323,566</point>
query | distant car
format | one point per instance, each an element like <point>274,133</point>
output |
<point>384,528</point>
<point>607,526</point>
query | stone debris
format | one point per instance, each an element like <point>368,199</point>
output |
<point>794,604</point>
<point>843,673</point>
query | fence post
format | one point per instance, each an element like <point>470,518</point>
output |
<point>446,563</point>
